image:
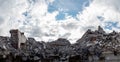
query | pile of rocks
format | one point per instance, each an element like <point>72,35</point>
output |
<point>92,43</point>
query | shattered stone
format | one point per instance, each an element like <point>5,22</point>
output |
<point>93,44</point>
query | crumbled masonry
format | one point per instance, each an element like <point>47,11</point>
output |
<point>93,46</point>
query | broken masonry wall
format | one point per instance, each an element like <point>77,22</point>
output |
<point>14,38</point>
<point>18,38</point>
<point>22,41</point>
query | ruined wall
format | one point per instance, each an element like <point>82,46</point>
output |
<point>17,37</point>
<point>14,38</point>
<point>22,40</point>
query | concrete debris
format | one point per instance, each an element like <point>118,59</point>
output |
<point>92,46</point>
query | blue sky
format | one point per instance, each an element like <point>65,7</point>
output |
<point>48,20</point>
<point>69,7</point>
<point>110,25</point>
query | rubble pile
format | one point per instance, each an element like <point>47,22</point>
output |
<point>93,45</point>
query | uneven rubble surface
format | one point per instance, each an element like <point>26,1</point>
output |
<point>93,43</point>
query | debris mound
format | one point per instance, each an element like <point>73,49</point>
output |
<point>92,46</point>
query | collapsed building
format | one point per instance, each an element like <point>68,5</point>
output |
<point>93,46</point>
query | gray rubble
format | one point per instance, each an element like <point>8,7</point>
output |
<point>92,46</point>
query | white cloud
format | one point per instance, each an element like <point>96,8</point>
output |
<point>39,23</point>
<point>104,8</point>
<point>10,11</point>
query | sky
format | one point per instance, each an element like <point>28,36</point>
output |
<point>47,20</point>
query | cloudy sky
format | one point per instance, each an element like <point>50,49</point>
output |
<point>51,19</point>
